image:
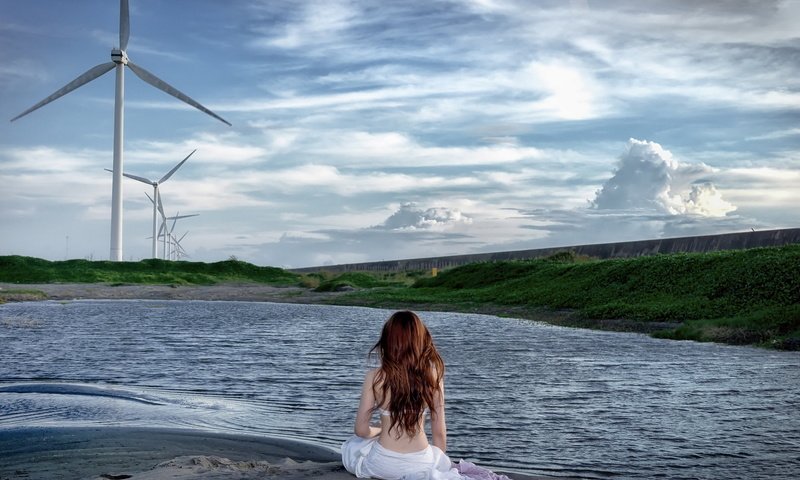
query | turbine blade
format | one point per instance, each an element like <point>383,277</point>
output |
<point>182,237</point>
<point>164,86</point>
<point>136,177</point>
<point>124,24</point>
<point>82,79</point>
<point>175,168</point>
<point>149,197</point>
<point>161,208</point>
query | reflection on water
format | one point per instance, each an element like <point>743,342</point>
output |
<point>520,395</point>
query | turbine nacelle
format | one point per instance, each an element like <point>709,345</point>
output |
<point>119,56</point>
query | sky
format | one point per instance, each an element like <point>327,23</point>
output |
<point>377,130</point>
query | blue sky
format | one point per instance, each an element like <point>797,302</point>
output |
<point>370,130</point>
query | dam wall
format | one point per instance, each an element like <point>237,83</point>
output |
<point>637,248</point>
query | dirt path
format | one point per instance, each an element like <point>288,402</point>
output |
<point>250,292</point>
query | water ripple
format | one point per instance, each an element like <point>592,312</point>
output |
<point>521,395</point>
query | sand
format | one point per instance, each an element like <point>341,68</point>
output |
<point>250,292</point>
<point>152,453</point>
<point>102,453</point>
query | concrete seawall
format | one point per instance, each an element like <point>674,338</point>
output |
<point>638,248</point>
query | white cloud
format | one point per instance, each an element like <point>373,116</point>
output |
<point>18,71</point>
<point>398,149</point>
<point>409,217</point>
<point>649,178</point>
<point>789,132</point>
<point>219,149</point>
<point>569,92</point>
<point>704,200</point>
<point>328,178</point>
<point>50,160</point>
<point>321,22</point>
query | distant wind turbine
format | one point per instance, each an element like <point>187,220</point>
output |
<point>155,184</point>
<point>119,59</point>
<point>179,250</point>
<point>163,219</point>
<point>165,232</point>
<point>168,235</point>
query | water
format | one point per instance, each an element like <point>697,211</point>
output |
<point>520,395</point>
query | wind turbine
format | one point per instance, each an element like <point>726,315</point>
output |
<point>163,222</point>
<point>155,185</point>
<point>119,60</point>
<point>168,235</point>
<point>179,251</point>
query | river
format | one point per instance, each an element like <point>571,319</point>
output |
<point>521,395</point>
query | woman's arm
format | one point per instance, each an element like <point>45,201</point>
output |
<point>438,425</point>
<point>362,427</point>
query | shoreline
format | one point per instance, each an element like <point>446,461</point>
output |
<point>256,292</point>
<point>160,454</point>
<point>152,453</point>
<point>247,292</point>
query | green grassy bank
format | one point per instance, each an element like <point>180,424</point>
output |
<point>17,269</point>
<point>737,297</point>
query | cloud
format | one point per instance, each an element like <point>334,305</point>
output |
<point>789,132</point>
<point>408,217</point>
<point>393,148</point>
<point>218,149</point>
<point>20,71</point>
<point>649,178</point>
<point>569,92</point>
<point>327,178</point>
<point>321,22</point>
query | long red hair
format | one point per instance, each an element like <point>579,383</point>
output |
<point>411,371</point>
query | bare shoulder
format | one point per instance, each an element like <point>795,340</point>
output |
<point>370,375</point>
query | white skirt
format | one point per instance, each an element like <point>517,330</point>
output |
<point>366,458</point>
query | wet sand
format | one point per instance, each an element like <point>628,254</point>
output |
<point>117,453</point>
<point>101,453</point>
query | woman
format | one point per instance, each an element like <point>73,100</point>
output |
<point>407,385</point>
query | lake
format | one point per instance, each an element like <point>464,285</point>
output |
<point>521,395</point>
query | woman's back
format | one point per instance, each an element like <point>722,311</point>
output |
<point>400,440</point>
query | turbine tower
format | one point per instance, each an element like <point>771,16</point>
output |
<point>156,194</point>
<point>119,60</point>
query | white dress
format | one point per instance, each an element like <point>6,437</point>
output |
<point>367,458</point>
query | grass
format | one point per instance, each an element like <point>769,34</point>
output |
<point>357,280</point>
<point>17,294</point>
<point>737,297</point>
<point>18,269</point>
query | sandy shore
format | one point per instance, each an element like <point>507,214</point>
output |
<point>142,453</point>
<point>249,292</point>
<point>102,453</point>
